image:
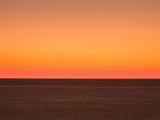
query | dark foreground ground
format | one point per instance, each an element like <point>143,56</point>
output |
<point>79,99</point>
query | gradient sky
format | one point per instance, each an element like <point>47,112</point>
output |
<point>80,38</point>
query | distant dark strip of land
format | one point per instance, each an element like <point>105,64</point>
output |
<point>89,82</point>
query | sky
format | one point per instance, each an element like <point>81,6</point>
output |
<point>79,39</point>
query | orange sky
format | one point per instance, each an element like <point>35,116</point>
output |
<point>80,39</point>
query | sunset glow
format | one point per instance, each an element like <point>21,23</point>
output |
<point>79,39</point>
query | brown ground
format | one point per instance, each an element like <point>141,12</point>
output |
<point>79,100</point>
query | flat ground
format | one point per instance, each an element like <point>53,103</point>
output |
<point>30,99</point>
